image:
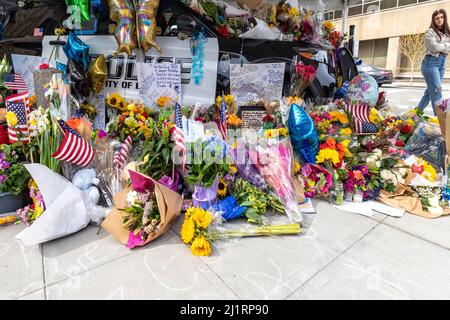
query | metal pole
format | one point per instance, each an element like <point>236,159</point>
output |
<point>344,15</point>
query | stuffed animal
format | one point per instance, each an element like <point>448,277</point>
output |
<point>86,180</point>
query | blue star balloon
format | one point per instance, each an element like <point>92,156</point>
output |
<point>303,133</point>
<point>77,50</point>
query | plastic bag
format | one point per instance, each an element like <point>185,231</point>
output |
<point>427,143</point>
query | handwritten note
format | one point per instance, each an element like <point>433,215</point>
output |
<point>252,118</point>
<point>98,102</point>
<point>251,82</point>
<point>24,65</point>
<point>157,80</point>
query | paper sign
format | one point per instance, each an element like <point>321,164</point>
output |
<point>251,82</point>
<point>98,102</point>
<point>193,130</point>
<point>157,80</point>
<point>25,65</point>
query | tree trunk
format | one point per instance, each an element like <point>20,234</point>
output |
<point>412,70</point>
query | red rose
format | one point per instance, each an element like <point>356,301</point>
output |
<point>417,168</point>
<point>223,31</point>
<point>407,128</point>
<point>399,143</point>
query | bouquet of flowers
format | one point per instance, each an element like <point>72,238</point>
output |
<point>32,212</point>
<point>13,175</point>
<point>305,75</point>
<point>198,231</point>
<point>256,201</point>
<point>274,161</point>
<point>317,180</point>
<point>142,212</point>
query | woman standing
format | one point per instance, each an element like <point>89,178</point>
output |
<point>437,43</point>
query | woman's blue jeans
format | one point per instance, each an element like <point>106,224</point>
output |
<point>433,70</point>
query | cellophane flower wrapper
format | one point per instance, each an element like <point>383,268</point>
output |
<point>247,170</point>
<point>427,143</point>
<point>103,164</point>
<point>274,162</point>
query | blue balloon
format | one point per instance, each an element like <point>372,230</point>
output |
<point>77,50</point>
<point>303,133</point>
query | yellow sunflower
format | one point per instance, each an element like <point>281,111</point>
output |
<point>222,188</point>
<point>202,218</point>
<point>201,247</point>
<point>114,99</point>
<point>187,231</point>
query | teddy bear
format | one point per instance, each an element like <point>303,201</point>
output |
<point>87,181</point>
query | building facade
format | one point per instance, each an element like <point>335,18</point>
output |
<point>379,26</point>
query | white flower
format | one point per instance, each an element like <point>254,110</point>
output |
<point>378,164</point>
<point>434,201</point>
<point>377,152</point>
<point>388,176</point>
<point>402,171</point>
<point>132,198</point>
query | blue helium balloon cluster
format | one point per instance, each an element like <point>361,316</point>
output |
<point>77,50</point>
<point>303,133</point>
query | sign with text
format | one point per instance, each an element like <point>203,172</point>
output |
<point>123,73</point>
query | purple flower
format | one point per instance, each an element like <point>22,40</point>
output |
<point>364,169</point>
<point>3,178</point>
<point>4,165</point>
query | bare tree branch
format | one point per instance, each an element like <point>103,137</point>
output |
<point>412,46</point>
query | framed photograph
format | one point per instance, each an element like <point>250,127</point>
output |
<point>252,116</point>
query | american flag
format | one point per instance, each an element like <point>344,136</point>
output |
<point>74,148</point>
<point>14,81</point>
<point>178,136</point>
<point>121,155</point>
<point>18,104</point>
<point>38,32</point>
<point>360,115</point>
<point>223,119</point>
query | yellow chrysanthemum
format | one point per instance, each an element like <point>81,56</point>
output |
<point>328,155</point>
<point>283,132</point>
<point>202,218</point>
<point>297,167</point>
<point>293,12</point>
<point>11,118</point>
<point>201,247</point>
<point>187,231</point>
<point>346,131</point>
<point>222,188</point>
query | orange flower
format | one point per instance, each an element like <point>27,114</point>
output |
<point>358,175</point>
<point>74,123</point>
<point>331,143</point>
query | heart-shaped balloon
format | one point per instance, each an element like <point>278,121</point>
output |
<point>303,133</point>
<point>77,50</point>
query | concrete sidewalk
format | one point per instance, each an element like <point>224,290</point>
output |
<point>340,255</point>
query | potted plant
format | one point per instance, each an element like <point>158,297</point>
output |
<point>14,179</point>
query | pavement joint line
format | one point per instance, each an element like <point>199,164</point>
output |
<point>31,292</point>
<point>415,235</point>
<point>332,261</point>
<point>41,249</point>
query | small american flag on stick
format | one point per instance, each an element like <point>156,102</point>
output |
<point>223,118</point>
<point>18,104</point>
<point>74,148</point>
<point>178,136</point>
<point>14,81</point>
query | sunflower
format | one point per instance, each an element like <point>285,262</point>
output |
<point>114,99</point>
<point>187,231</point>
<point>201,247</point>
<point>202,218</point>
<point>222,188</point>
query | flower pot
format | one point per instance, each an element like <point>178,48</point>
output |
<point>10,202</point>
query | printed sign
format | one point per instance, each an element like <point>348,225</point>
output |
<point>122,70</point>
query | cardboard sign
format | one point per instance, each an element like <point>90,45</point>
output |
<point>252,117</point>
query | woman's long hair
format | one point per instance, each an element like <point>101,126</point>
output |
<point>445,29</point>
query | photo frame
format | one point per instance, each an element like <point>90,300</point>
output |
<point>252,116</point>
